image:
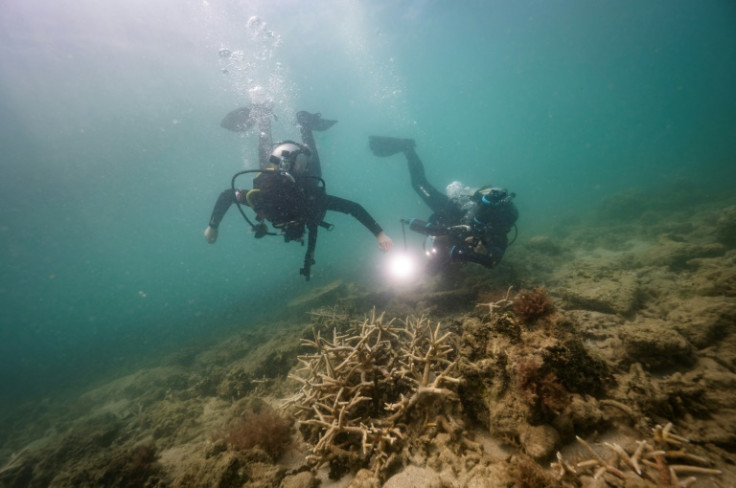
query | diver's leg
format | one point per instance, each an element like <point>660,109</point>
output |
<point>309,122</point>
<point>265,141</point>
<point>315,165</point>
<point>436,200</point>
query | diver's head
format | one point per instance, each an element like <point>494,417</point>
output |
<point>494,196</point>
<point>291,157</point>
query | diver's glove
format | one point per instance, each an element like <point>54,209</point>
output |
<point>259,230</point>
<point>384,242</point>
<point>210,234</point>
<point>306,271</point>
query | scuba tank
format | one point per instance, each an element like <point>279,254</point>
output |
<point>488,202</point>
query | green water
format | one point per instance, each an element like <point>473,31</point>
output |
<point>112,155</point>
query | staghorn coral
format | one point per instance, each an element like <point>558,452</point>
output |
<point>325,319</point>
<point>361,392</point>
<point>661,461</point>
<point>500,314</point>
<point>530,305</point>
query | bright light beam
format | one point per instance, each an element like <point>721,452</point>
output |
<point>402,267</point>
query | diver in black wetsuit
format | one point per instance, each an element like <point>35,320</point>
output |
<point>289,192</point>
<point>466,226</point>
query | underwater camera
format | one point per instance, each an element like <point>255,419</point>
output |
<point>455,244</point>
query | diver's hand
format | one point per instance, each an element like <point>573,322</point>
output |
<point>210,233</point>
<point>384,242</point>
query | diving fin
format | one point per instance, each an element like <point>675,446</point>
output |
<point>382,146</point>
<point>243,118</point>
<point>314,121</point>
<point>238,120</point>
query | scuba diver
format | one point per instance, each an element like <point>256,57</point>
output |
<point>467,225</point>
<point>288,189</point>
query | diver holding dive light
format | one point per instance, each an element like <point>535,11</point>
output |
<point>466,226</point>
<point>288,189</point>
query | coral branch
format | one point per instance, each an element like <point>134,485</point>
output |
<point>646,462</point>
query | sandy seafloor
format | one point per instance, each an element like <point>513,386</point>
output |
<point>637,343</point>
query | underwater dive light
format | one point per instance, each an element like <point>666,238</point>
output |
<point>402,266</point>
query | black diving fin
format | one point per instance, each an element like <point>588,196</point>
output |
<point>314,121</point>
<point>239,120</point>
<point>382,146</point>
<point>243,118</point>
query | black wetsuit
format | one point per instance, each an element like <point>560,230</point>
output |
<point>448,212</point>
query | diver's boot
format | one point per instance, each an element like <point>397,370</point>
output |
<point>314,121</point>
<point>382,146</point>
